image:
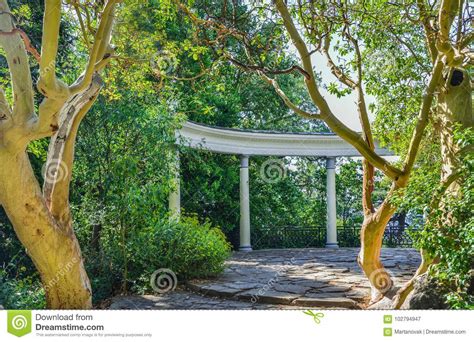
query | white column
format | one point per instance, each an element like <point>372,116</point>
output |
<point>244,205</point>
<point>331,229</point>
<point>174,197</point>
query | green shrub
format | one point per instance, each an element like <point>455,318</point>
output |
<point>189,248</point>
<point>22,292</point>
<point>449,233</point>
<point>125,262</point>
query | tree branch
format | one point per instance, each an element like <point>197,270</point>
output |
<point>336,71</point>
<point>444,186</point>
<point>17,59</point>
<point>26,40</point>
<point>61,151</point>
<point>101,42</point>
<point>85,35</point>
<point>430,34</point>
<point>369,172</point>
<point>48,84</point>
<point>447,12</point>
<point>287,101</point>
<point>467,40</point>
<point>268,71</point>
<point>423,116</point>
<point>333,122</point>
<point>55,98</point>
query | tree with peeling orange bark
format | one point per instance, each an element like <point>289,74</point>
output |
<point>41,215</point>
<point>350,27</point>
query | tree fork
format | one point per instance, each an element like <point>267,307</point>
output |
<point>43,222</point>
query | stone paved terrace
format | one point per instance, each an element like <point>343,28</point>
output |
<point>281,279</point>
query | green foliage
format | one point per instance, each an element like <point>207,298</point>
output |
<point>190,248</point>
<point>349,192</point>
<point>449,232</point>
<point>448,227</point>
<point>21,292</point>
<point>20,286</point>
<point>210,187</point>
<point>120,200</point>
<point>287,192</point>
<point>164,74</point>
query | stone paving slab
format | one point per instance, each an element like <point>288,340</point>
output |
<point>181,299</point>
<point>339,302</point>
<point>281,279</point>
<point>302,276</point>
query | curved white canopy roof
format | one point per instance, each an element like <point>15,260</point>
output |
<point>266,143</point>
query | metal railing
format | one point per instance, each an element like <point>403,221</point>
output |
<point>315,236</point>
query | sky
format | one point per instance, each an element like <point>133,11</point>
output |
<point>345,108</point>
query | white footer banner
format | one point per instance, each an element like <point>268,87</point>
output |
<point>245,325</point>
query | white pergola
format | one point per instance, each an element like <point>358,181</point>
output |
<point>247,143</point>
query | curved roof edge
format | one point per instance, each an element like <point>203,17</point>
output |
<point>266,143</point>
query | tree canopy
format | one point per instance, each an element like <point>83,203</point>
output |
<point>92,92</point>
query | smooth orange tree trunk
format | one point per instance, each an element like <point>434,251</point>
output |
<point>41,217</point>
<point>371,237</point>
<point>53,249</point>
